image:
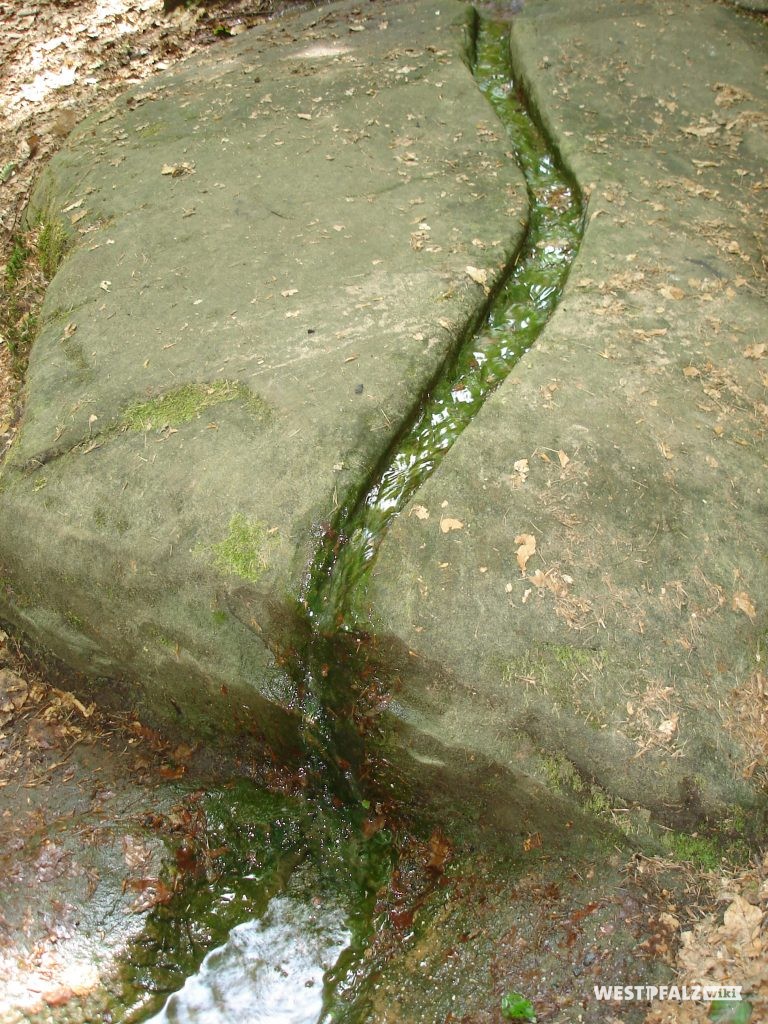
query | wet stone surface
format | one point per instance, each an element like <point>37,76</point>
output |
<point>577,595</point>
<point>568,617</point>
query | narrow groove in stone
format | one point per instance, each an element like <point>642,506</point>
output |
<point>522,306</point>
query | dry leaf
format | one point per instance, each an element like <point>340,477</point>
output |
<point>439,851</point>
<point>58,996</point>
<point>564,459</point>
<point>741,922</point>
<point>151,892</point>
<point>136,853</point>
<point>177,170</point>
<point>756,351</point>
<point>373,825</point>
<point>478,276</point>
<point>420,512</point>
<point>13,694</point>
<point>672,292</point>
<point>701,132</point>
<point>668,727</point>
<point>532,842</point>
<point>446,525</point>
<point>742,603</point>
<point>527,547</point>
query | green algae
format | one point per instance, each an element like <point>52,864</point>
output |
<point>237,847</point>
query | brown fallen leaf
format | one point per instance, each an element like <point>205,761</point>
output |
<point>478,276</point>
<point>439,851</point>
<point>420,512</point>
<point>672,292</point>
<point>177,170</point>
<point>446,525</point>
<point>151,892</point>
<point>743,603</point>
<point>135,853</point>
<point>741,923</point>
<point>668,727</point>
<point>13,694</point>
<point>58,996</point>
<point>564,459</point>
<point>527,547</point>
<point>183,752</point>
<point>373,825</point>
<point>701,131</point>
<point>522,469</point>
<point>756,351</point>
<point>532,842</point>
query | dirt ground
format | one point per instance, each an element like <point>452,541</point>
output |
<point>60,61</point>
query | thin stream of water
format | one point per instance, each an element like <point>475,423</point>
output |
<point>252,976</point>
<point>520,310</point>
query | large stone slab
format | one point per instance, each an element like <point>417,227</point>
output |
<point>268,270</point>
<point>622,664</point>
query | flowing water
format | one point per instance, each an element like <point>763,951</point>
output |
<point>519,311</point>
<point>287,964</point>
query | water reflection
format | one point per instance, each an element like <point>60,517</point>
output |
<point>269,971</point>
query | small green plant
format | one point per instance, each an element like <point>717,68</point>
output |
<point>51,246</point>
<point>730,1011</point>
<point>516,1007</point>
<point>18,257</point>
<point>20,301</point>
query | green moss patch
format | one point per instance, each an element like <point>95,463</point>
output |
<point>245,551</point>
<point>185,403</point>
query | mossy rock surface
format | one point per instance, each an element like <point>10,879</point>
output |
<point>631,646</point>
<point>242,321</point>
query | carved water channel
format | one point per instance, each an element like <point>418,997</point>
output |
<point>296,918</point>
